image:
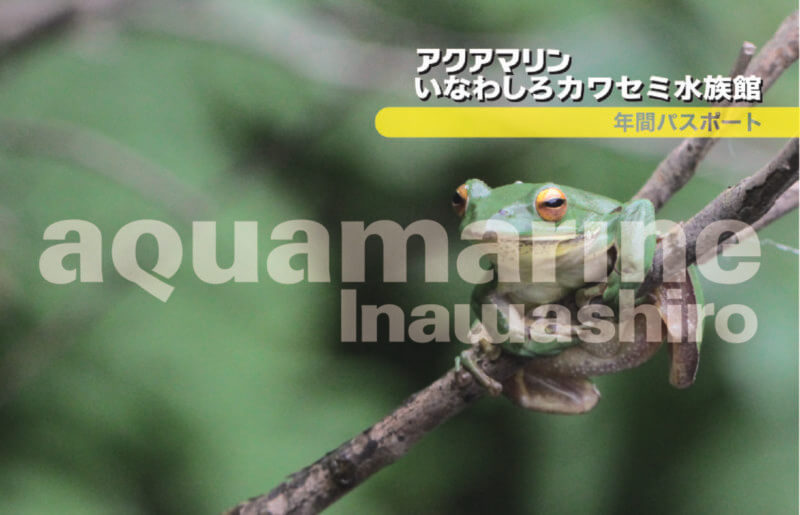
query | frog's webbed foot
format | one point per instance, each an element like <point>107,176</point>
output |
<point>480,339</point>
<point>551,393</point>
<point>466,360</point>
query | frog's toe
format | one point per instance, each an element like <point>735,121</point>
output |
<point>492,351</point>
<point>466,361</point>
<point>494,388</point>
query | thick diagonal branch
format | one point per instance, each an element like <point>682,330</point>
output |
<point>749,201</point>
<point>317,486</point>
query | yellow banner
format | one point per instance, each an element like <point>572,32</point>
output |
<point>588,122</point>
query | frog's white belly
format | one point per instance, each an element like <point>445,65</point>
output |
<point>541,284</point>
<point>533,293</point>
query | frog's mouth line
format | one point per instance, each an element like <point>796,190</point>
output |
<point>560,238</point>
<point>569,240</point>
<point>493,237</point>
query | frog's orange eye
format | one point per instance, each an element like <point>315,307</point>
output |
<point>460,199</point>
<point>551,204</point>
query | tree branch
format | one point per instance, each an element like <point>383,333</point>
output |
<point>316,486</point>
<point>679,166</point>
<point>104,156</point>
<point>746,54</point>
<point>24,24</point>
<point>783,205</point>
<point>750,200</point>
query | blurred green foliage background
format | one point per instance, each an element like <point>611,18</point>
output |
<point>113,402</point>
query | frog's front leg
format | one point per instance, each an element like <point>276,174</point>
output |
<point>507,321</point>
<point>634,237</point>
<point>466,359</point>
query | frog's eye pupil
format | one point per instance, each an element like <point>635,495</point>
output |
<point>551,204</point>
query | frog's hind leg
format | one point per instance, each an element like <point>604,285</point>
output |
<point>551,394</point>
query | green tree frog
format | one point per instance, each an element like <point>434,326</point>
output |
<point>561,245</point>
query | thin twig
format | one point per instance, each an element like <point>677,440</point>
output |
<point>679,166</point>
<point>746,54</point>
<point>316,51</point>
<point>24,24</point>
<point>777,54</point>
<point>102,155</point>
